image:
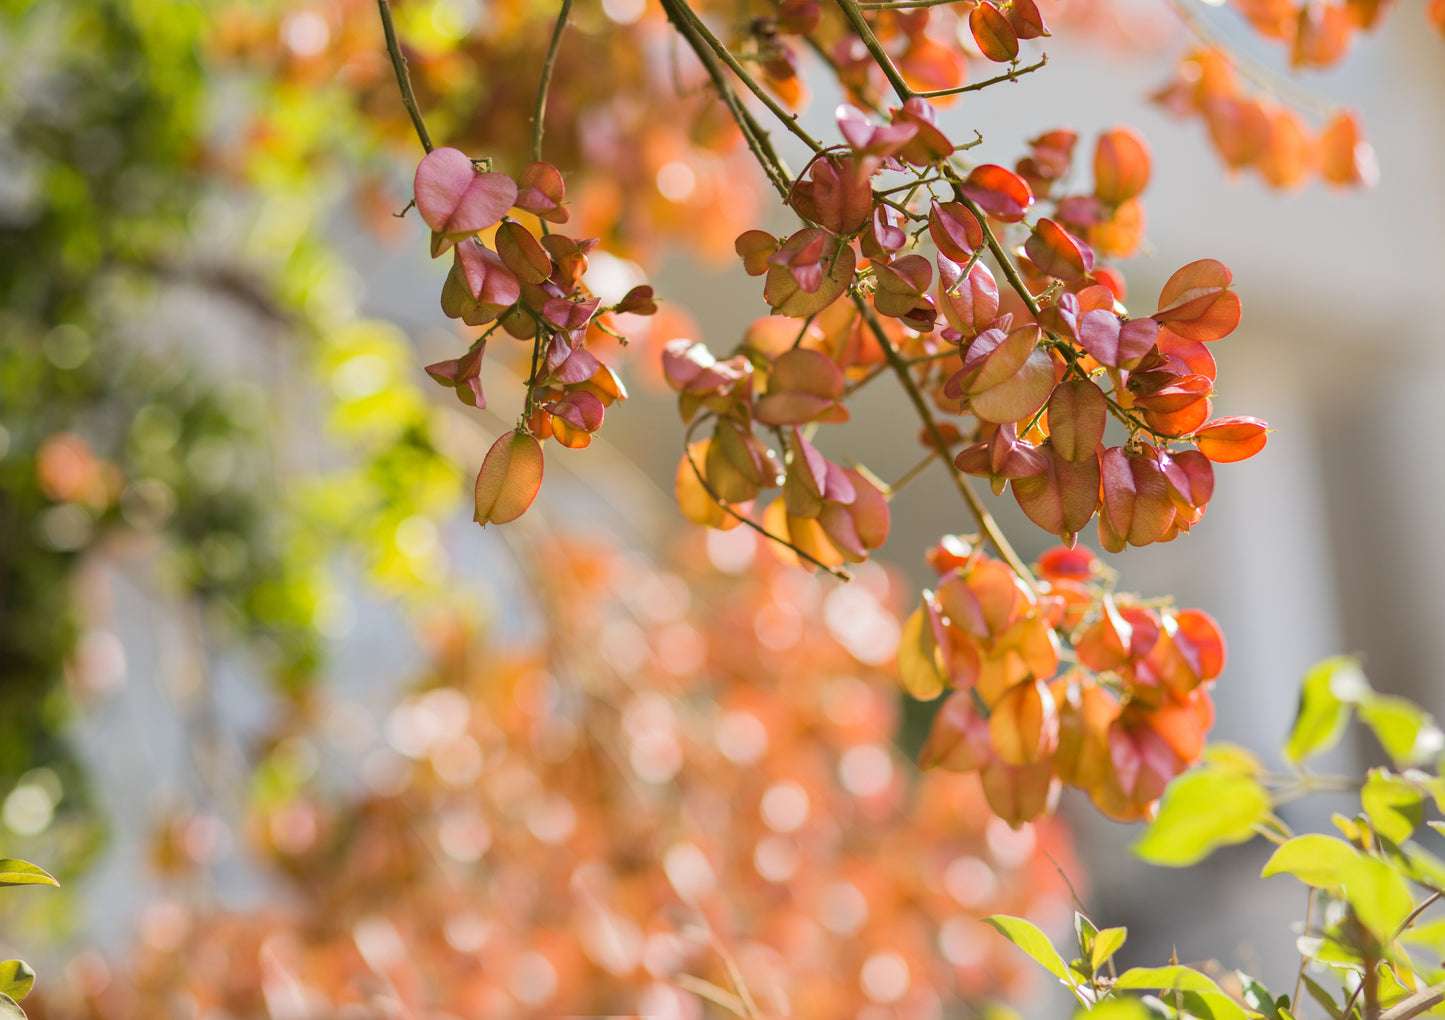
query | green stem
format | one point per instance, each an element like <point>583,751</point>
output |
<point>980,512</point>
<point>837,572</point>
<point>403,77</point>
<point>539,112</point>
<point>1012,75</point>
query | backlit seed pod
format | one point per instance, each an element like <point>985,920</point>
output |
<point>509,479</point>
<point>1024,724</point>
<point>1225,440</point>
<point>1121,166</point>
<point>1019,794</point>
<point>959,740</point>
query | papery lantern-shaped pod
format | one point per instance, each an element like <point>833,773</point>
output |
<point>540,191</point>
<point>929,144</point>
<point>1064,497</point>
<point>806,477</point>
<point>1196,302</point>
<point>1345,157</point>
<point>955,230</point>
<point>1136,508</point>
<point>959,740</point>
<point>920,653</point>
<point>1006,377</point>
<point>1058,253</point>
<point>1104,647</point>
<point>995,36</point>
<point>1183,722</point>
<point>569,259</point>
<point>739,465</point>
<point>693,499</point>
<point>837,263</point>
<point>840,199</point>
<point>969,302</point>
<point>463,374</point>
<point>902,285</point>
<point>804,533</point>
<point>1028,23</point>
<point>1024,724</point>
<point>1086,711</point>
<point>1121,166</point>
<point>509,479</point>
<point>456,200</point>
<point>1001,457</point>
<point>858,524</point>
<point>1143,764</point>
<point>522,253</point>
<point>1019,795</point>
<point>479,286</point>
<point>1189,652</point>
<point>1225,440</point>
<point>999,192</point>
<point>1078,414</point>
<point>803,386</point>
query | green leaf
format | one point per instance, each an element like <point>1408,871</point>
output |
<point>1084,932</point>
<point>1184,979</point>
<point>1325,696</point>
<point>14,872</point>
<point>1027,937</point>
<point>1423,866</point>
<point>1378,895</point>
<point>1323,997</point>
<point>1315,859</point>
<point>1106,944</point>
<point>16,979</point>
<point>1404,729</point>
<point>1393,805</point>
<point>1233,759</point>
<point>1116,1009</point>
<point>1257,997</point>
<point>1201,810</point>
<point>10,1009</point>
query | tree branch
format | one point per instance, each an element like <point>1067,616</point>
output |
<point>539,112</point>
<point>875,49</point>
<point>980,512</point>
<point>403,77</point>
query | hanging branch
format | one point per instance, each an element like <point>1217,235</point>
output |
<point>403,76</point>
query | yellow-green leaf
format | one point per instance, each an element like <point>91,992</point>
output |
<point>1106,943</point>
<point>1315,859</point>
<point>1031,940</point>
<point>1184,979</point>
<point>16,872</point>
<point>16,979</point>
<point>1329,688</point>
<point>1201,810</point>
<point>1404,730</point>
<point>1378,895</point>
<point>1393,805</point>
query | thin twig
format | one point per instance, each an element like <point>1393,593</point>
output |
<point>837,572</point>
<point>690,27</point>
<point>980,512</point>
<point>539,112</point>
<point>1422,1001</point>
<point>1303,959</point>
<point>403,77</point>
<point>1012,75</point>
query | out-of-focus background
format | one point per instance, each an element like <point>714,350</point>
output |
<point>299,739</point>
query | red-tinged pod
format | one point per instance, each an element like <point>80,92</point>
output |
<point>1346,158</point>
<point>1197,304</point>
<point>1024,724</point>
<point>1229,439</point>
<point>509,479</point>
<point>1121,166</point>
<point>1026,20</point>
<point>455,199</point>
<point>540,191</point>
<point>1019,795</point>
<point>996,37</point>
<point>999,192</point>
<point>955,230</point>
<point>1057,252</point>
<point>959,739</point>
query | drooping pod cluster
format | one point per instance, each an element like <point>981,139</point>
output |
<point>1129,713</point>
<point>530,287</point>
